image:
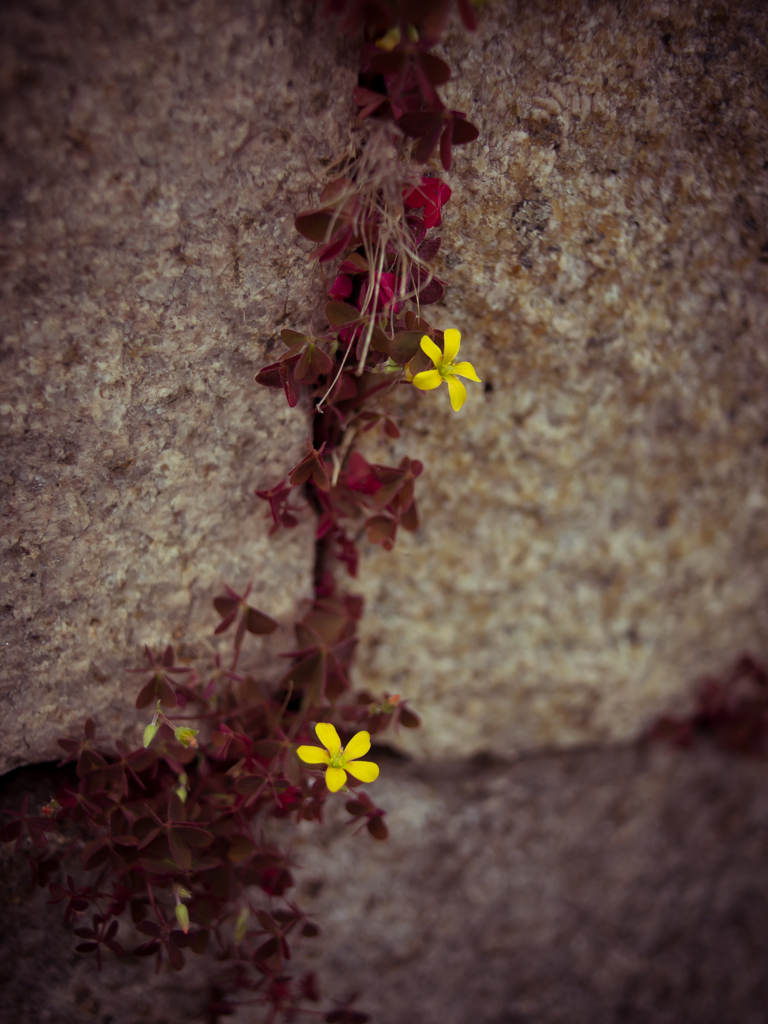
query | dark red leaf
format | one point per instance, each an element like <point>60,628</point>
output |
<point>356,807</point>
<point>409,520</point>
<point>179,850</point>
<point>428,250</point>
<point>420,362</point>
<point>404,346</point>
<point>467,15</point>
<point>445,148</point>
<point>266,921</point>
<point>436,70</point>
<point>269,376</point>
<point>388,63</point>
<point>193,834</point>
<point>241,848</point>
<point>175,956</point>
<point>418,229</point>
<point>340,313</point>
<point>379,341</point>
<point>225,605</point>
<point>165,693</point>
<point>10,832</point>
<point>377,828</point>
<point>418,123</point>
<point>314,224</point>
<point>428,144</point>
<point>463,132</point>
<point>381,530</point>
<point>259,623</point>
<point>147,949</point>
<point>313,363</point>
<point>292,338</point>
<point>290,386</point>
<point>268,949</point>
<point>409,719</point>
<point>432,292</point>
<point>149,928</point>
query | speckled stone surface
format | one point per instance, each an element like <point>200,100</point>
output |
<point>594,521</point>
<point>608,886</point>
<point>603,886</point>
<point>153,157</point>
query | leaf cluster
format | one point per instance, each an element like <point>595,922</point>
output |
<point>375,218</point>
<point>399,75</point>
<point>173,836</point>
<point>365,316</point>
<point>731,711</point>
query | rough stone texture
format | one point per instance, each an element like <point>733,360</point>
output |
<point>594,522</point>
<point>614,885</point>
<point>603,886</point>
<point>152,160</point>
<point>594,525</point>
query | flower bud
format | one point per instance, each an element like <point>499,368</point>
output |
<point>182,916</point>
<point>181,790</point>
<point>241,925</point>
<point>149,734</point>
<point>389,40</point>
<point>50,809</point>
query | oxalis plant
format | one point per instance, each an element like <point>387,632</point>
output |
<point>174,834</point>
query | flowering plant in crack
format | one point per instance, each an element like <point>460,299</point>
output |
<point>173,833</point>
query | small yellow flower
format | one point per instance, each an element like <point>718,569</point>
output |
<point>338,759</point>
<point>390,39</point>
<point>446,368</point>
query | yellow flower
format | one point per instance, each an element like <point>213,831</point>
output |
<point>338,759</point>
<point>390,39</point>
<point>446,368</point>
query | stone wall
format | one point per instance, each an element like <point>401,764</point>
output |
<point>594,519</point>
<point>152,160</point>
<point>594,529</point>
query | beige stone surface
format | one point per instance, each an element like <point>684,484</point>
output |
<point>593,532</point>
<point>152,161</point>
<point>594,524</point>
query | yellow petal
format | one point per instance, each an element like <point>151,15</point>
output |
<point>359,744</point>
<point>366,771</point>
<point>458,393</point>
<point>427,380</point>
<point>466,370</point>
<point>335,778</point>
<point>313,755</point>
<point>452,342</point>
<point>328,737</point>
<point>431,349</point>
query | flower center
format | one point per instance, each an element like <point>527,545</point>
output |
<point>337,760</point>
